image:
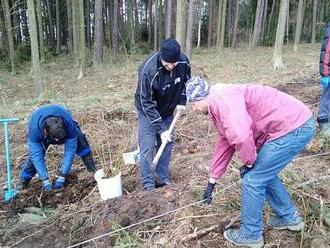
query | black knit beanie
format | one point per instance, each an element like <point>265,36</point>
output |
<point>170,50</point>
<point>55,127</point>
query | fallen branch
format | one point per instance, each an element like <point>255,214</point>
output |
<point>200,233</point>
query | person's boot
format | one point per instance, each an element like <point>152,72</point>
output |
<point>89,162</point>
<point>22,185</point>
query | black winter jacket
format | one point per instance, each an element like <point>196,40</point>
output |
<point>325,53</point>
<point>159,91</point>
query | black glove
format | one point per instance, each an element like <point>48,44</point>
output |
<point>243,170</point>
<point>207,197</point>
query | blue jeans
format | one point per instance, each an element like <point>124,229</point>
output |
<point>28,170</point>
<point>263,183</point>
<point>148,139</point>
<point>324,105</point>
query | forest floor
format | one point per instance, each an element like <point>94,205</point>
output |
<point>103,104</point>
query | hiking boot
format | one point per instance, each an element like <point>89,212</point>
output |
<point>295,224</point>
<point>22,185</point>
<point>161,185</point>
<point>234,236</point>
<point>89,162</point>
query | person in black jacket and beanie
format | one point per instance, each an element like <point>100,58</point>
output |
<point>160,90</point>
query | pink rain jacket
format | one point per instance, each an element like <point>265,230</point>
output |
<point>246,116</point>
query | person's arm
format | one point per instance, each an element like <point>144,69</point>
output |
<point>183,98</point>
<point>37,155</point>
<point>148,105</point>
<point>70,148</point>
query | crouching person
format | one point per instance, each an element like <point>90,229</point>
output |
<point>53,125</point>
<point>267,128</point>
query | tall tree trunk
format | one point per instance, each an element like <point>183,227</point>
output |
<point>136,20</point>
<point>70,29</point>
<point>280,32</point>
<point>150,18</point>
<point>223,26</point>
<point>115,27</point>
<point>190,28</point>
<point>2,28</point>
<point>58,25</point>
<point>98,48</point>
<point>156,26</point>
<point>88,23</point>
<point>210,23</point>
<point>287,24</point>
<point>130,24</point>
<point>229,23</point>
<point>314,21</point>
<point>34,48</point>
<point>40,31</point>
<point>51,36</point>
<point>25,29</point>
<point>161,30</point>
<point>17,24</point>
<point>168,18</point>
<point>180,32</point>
<point>257,24</point>
<point>219,25</point>
<point>75,32</point>
<point>82,39</point>
<point>8,24</point>
<point>234,40</point>
<point>264,20</point>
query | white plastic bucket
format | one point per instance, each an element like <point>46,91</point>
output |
<point>108,187</point>
<point>131,157</point>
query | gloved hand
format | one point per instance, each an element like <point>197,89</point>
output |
<point>325,81</point>
<point>243,170</point>
<point>47,185</point>
<point>207,196</point>
<point>166,136</point>
<point>59,183</point>
<point>181,107</point>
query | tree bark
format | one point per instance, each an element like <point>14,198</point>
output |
<point>70,29</point>
<point>82,39</point>
<point>234,40</point>
<point>2,28</point>
<point>314,21</point>
<point>51,36</point>
<point>34,48</point>
<point>98,47</point>
<point>115,27</point>
<point>58,31</point>
<point>210,23</point>
<point>270,17</point>
<point>8,24</point>
<point>150,18</point>
<point>190,28</point>
<point>280,32</point>
<point>264,20</point>
<point>257,24</point>
<point>130,23</point>
<point>180,32</point>
<point>156,26</point>
<point>219,25</point>
<point>88,23</point>
<point>136,20</point>
<point>17,24</point>
<point>75,33</point>
<point>223,24</point>
<point>168,18</point>
<point>40,31</point>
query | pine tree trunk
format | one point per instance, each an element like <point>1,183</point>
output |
<point>257,24</point>
<point>2,28</point>
<point>190,28</point>
<point>150,18</point>
<point>25,29</point>
<point>8,25</point>
<point>314,21</point>
<point>17,24</point>
<point>280,32</point>
<point>168,18</point>
<point>180,32</point>
<point>229,23</point>
<point>264,20</point>
<point>161,31</point>
<point>58,31</point>
<point>136,20</point>
<point>70,29</point>
<point>156,26</point>
<point>40,31</point>
<point>130,24</point>
<point>88,23</point>
<point>75,33</point>
<point>115,27</point>
<point>210,23</point>
<point>234,40</point>
<point>223,24</point>
<point>219,26</point>
<point>82,39</point>
<point>270,17</point>
<point>287,24</point>
<point>51,36</point>
<point>34,48</point>
<point>98,47</point>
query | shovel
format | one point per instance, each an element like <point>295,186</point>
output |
<point>134,157</point>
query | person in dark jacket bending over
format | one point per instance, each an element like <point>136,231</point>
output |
<point>53,125</point>
<point>324,107</point>
<point>160,90</point>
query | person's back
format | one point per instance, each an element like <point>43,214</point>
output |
<point>325,53</point>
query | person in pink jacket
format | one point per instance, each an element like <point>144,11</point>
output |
<point>267,129</point>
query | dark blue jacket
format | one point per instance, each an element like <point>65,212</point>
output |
<point>159,91</point>
<point>325,53</point>
<point>36,138</point>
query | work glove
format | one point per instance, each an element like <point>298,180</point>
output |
<point>207,196</point>
<point>89,162</point>
<point>47,185</point>
<point>243,170</point>
<point>59,183</point>
<point>325,81</point>
<point>181,107</point>
<point>166,137</point>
